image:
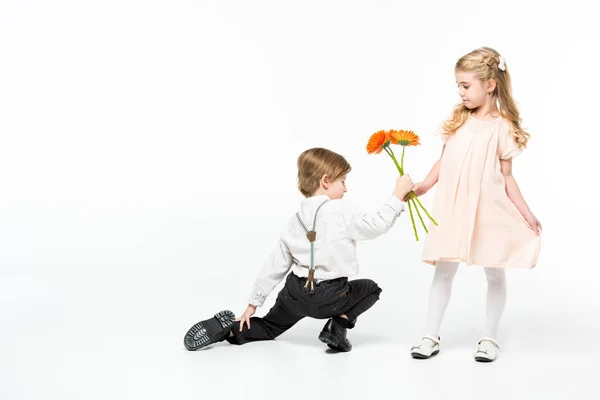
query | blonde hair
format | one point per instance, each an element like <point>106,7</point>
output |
<point>316,162</point>
<point>483,62</point>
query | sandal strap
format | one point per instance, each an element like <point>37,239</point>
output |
<point>435,340</point>
<point>491,340</point>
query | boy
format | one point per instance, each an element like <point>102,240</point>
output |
<point>319,245</point>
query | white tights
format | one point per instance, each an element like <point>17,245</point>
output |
<point>441,289</point>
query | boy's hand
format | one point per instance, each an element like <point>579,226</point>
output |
<point>403,185</point>
<point>250,310</point>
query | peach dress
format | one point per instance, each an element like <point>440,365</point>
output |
<point>478,223</point>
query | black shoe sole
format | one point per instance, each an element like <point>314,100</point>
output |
<point>198,336</point>
<point>422,357</point>
<point>483,359</point>
<point>333,342</point>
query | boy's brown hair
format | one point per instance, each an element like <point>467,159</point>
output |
<point>316,162</point>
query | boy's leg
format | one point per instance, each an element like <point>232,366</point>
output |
<point>209,331</point>
<point>282,316</point>
<point>360,295</point>
<point>363,294</point>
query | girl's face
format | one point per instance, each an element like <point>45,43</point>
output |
<point>472,91</point>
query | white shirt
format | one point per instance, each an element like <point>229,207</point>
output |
<point>338,229</point>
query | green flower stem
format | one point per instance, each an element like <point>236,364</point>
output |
<point>421,218</point>
<point>402,160</point>
<point>412,198</point>
<point>424,209</point>
<point>391,154</point>
<point>412,218</point>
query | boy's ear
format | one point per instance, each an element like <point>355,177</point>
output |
<point>325,181</point>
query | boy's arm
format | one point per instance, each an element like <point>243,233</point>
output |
<point>274,270</point>
<point>364,226</point>
<point>369,225</point>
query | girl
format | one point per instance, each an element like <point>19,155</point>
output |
<point>482,215</point>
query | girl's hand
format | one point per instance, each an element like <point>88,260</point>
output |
<point>534,223</point>
<point>419,189</point>
<point>245,318</point>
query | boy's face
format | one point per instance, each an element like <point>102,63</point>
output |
<point>337,188</point>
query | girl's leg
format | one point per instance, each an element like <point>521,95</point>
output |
<point>496,299</point>
<point>439,295</point>
<point>487,348</point>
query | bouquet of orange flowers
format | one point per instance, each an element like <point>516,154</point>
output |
<point>382,140</point>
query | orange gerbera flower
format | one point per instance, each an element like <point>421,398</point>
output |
<point>380,141</point>
<point>404,138</point>
<point>377,141</point>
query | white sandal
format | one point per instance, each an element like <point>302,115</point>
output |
<point>487,353</point>
<point>423,350</point>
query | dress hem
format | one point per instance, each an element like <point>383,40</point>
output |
<point>433,261</point>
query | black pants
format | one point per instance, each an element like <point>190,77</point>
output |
<point>331,298</point>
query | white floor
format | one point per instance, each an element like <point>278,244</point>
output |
<point>114,331</point>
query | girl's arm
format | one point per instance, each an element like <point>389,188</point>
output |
<point>514,194</point>
<point>421,188</point>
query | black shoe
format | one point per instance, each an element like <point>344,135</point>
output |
<point>209,331</point>
<point>334,335</point>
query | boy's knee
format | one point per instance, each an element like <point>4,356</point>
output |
<point>375,289</point>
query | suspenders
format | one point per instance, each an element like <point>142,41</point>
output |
<point>311,236</point>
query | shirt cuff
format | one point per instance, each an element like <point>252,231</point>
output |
<point>257,298</point>
<point>396,204</point>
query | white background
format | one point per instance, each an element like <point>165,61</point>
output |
<point>148,162</point>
